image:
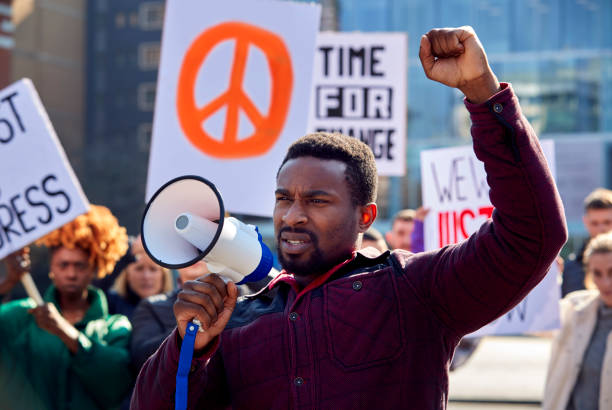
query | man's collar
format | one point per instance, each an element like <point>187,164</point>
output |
<point>362,257</point>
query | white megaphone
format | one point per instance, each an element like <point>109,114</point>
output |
<point>185,222</point>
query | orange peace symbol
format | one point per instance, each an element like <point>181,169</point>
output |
<point>267,126</point>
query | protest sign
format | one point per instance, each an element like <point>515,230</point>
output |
<point>455,190</point>
<point>38,189</point>
<point>359,89</point>
<point>232,94</point>
<point>538,311</point>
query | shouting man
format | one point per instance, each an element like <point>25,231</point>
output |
<point>345,329</point>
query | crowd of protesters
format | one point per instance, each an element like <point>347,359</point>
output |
<point>86,333</point>
<point>108,308</point>
<point>111,312</point>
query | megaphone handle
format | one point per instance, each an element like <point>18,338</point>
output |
<point>184,366</point>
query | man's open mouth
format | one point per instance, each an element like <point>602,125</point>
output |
<point>295,243</point>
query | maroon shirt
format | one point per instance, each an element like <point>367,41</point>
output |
<point>380,330</point>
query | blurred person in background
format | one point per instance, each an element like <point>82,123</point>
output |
<point>373,238</point>
<point>407,230</point>
<point>400,235</point>
<point>69,353</point>
<point>153,320</point>
<point>137,280</point>
<point>597,219</point>
<point>580,369</point>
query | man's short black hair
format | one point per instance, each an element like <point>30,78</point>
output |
<point>360,172</point>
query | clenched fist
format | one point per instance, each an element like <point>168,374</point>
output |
<point>455,57</point>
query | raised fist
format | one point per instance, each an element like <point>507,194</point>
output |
<point>455,57</point>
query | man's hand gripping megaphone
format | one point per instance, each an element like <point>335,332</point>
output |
<point>211,301</point>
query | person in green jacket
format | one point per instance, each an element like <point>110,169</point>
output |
<point>68,353</point>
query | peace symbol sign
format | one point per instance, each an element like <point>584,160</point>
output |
<point>267,126</point>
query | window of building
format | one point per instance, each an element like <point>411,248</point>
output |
<point>102,5</point>
<point>120,59</point>
<point>100,119</point>
<point>100,80</point>
<point>120,20</point>
<point>100,41</point>
<point>119,101</point>
<point>134,20</point>
<point>146,96</point>
<point>143,136</point>
<point>148,56</point>
<point>151,15</point>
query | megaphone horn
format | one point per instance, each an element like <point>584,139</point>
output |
<point>185,222</point>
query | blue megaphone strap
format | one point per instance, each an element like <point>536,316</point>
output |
<point>184,366</point>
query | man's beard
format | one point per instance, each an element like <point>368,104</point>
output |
<point>315,264</point>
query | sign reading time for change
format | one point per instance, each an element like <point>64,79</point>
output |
<point>38,189</point>
<point>455,190</point>
<point>232,95</point>
<point>359,89</point>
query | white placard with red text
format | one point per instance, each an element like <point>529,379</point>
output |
<point>38,189</point>
<point>455,190</point>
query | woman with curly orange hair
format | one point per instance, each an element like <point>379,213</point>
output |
<point>69,352</point>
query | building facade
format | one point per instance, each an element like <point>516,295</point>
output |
<point>123,46</point>
<point>49,49</point>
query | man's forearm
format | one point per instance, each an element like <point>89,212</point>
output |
<point>481,89</point>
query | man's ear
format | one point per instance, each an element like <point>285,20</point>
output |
<point>367,216</point>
